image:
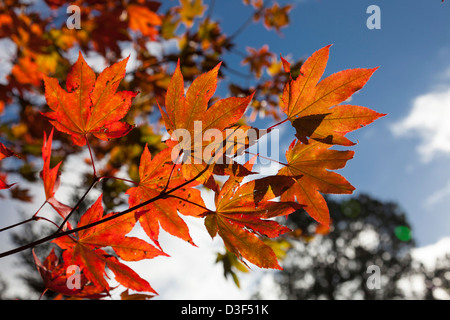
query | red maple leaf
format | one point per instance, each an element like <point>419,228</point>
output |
<point>243,214</point>
<point>50,177</point>
<point>156,175</point>
<point>309,165</point>
<point>85,251</point>
<point>55,277</point>
<point>5,153</point>
<point>189,115</point>
<point>313,107</point>
<point>90,104</point>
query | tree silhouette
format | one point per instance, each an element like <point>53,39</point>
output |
<point>365,232</point>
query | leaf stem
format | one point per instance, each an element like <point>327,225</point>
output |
<point>46,219</point>
<point>171,171</point>
<point>92,158</point>
<point>35,214</point>
<point>267,158</point>
<point>117,178</point>
<point>277,124</point>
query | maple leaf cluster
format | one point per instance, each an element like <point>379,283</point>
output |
<point>40,45</point>
<point>167,189</point>
<point>110,115</point>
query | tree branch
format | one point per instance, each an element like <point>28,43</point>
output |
<point>248,21</point>
<point>58,233</point>
<point>35,217</point>
<point>94,182</point>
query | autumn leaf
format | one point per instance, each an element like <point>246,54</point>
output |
<point>189,10</point>
<point>309,165</point>
<point>286,65</point>
<point>277,17</point>
<point>155,175</point>
<point>312,106</point>
<point>189,120</point>
<point>50,177</point>
<point>90,104</point>
<point>258,59</point>
<point>26,71</point>
<point>180,111</point>
<point>125,295</point>
<point>257,4</point>
<point>143,19</point>
<point>3,184</point>
<point>5,152</point>
<point>54,275</point>
<point>243,213</point>
<point>85,250</point>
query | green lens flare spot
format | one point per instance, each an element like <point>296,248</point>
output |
<point>351,208</point>
<point>403,233</point>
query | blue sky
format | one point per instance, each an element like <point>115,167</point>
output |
<point>412,49</point>
<point>409,164</point>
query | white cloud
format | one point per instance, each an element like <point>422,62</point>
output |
<point>428,254</point>
<point>430,120</point>
<point>438,196</point>
<point>191,272</point>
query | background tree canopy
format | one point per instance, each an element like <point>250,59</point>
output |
<point>336,265</point>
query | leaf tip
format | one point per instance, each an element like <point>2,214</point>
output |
<point>286,65</point>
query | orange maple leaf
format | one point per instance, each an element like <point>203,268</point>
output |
<point>277,17</point>
<point>312,106</point>
<point>189,10</point>
<point>55,277</point>
<point>156,175</point>
<point>85,250</point>
<point>191,114</point>
<point>243,213</point>
<point>258,59</point>
<point>50,177</point>
<point>144,20</point>
<point>26,71</point>
<point>5,153</point>
<point>309,165</point>
<point>90,104</point>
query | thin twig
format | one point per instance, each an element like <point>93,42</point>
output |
<point>247,22</point>
<point>117,178</point>
<point>171,171</point>
<point>35,214</point>
<point>17,224</point>
<point>94,182</point>
<point>33,218</point>
<point>210,9</point>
